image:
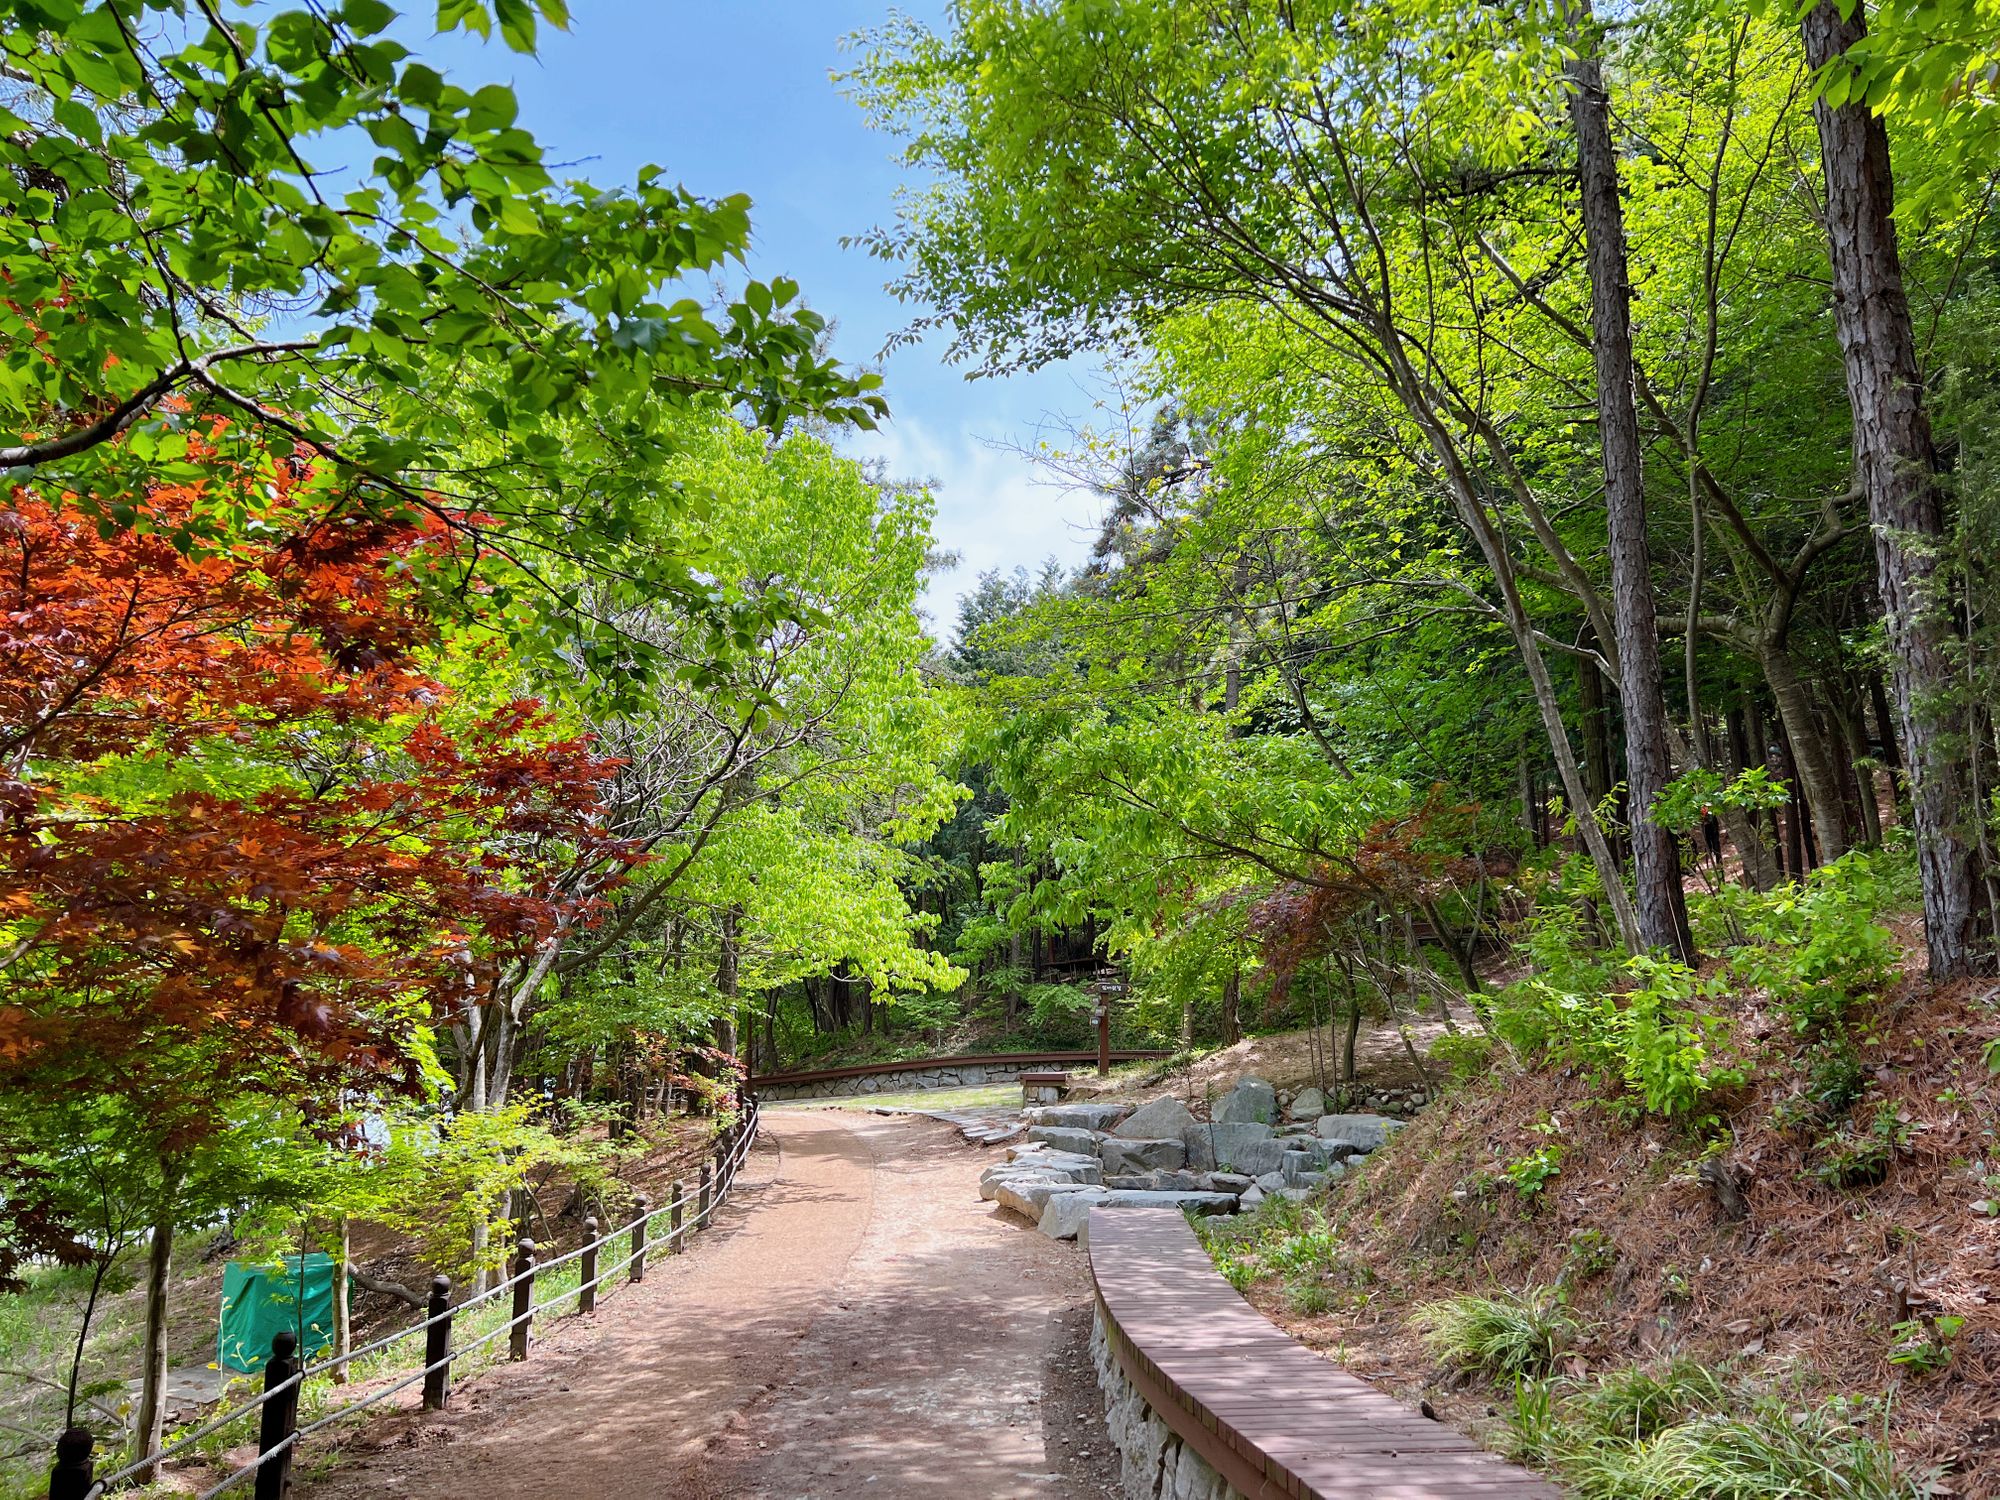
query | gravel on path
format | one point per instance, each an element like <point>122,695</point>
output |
<point>857,1323</point>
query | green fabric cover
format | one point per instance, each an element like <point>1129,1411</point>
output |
<point>259,1301</point>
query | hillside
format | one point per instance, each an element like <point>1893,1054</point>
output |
<point>1864,1268</point>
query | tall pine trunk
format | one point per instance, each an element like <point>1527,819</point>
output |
<point>1897,465</point>
<point>1662,905</point>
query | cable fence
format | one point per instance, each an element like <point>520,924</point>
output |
<point>454,1335</point>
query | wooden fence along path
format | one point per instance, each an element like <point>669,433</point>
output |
<point>279,1433</point>
<point>1268,1414</point>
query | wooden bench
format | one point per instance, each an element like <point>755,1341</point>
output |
<point>1269,1415</point>
<point>1043,1088</point>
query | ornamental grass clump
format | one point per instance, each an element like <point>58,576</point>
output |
<point>1506,1336</point>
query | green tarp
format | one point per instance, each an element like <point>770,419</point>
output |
<point>258,1301</point>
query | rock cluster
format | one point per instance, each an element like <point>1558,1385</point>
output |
<point>1075,1157</point>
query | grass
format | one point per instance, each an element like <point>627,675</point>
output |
<point>1680,1431</point>
<point>978,1096</point>
<point>1513,1334</point>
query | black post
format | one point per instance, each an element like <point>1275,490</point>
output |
<point>701,1213</point>
<point>586,1299</point>
<point>437,1346</point>
<point>674,1203</point>
<point>524,1297</point>
<point>639,1238</point>
<point>75,1471</point>
<point>279,1419</point>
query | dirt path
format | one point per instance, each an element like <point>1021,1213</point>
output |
<point>857,1323</point>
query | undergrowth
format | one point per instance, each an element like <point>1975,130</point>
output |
<point>1680,1431</point>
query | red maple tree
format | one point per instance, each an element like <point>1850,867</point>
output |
<point>236,816</point>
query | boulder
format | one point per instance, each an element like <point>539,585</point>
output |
<point>1252,1196</point>
<point>1227,1182</point>
<point>1041,1155</point>
<point>1270,1182</point>
<point>1300,1165</point>
<point>1027,1196</point>
<point>1233,1146</point>
<point>1141,1183</point>
<point>1367,1132</point>
<point>1067,1215</point>
<point>1083,1142</point>
<point>1251,1102</point>
<point>1161,1181</point>
<point>1141,1156</point>
<point>1155,1120</point>
<point>1079,1116</point>
<point>1307,1104</point>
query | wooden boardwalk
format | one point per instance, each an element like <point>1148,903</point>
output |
<point>1272,1417</point>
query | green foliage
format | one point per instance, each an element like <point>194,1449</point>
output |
<point>1847,1158</point>
<point>1509,1335</point>
<point>1660,1037</point>
<point>1816,945</point>
<point>1681,1431</point>
<point>1924,1345</point>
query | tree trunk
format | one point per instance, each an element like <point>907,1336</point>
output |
<point>1596,725</point>
<point>1662,905</point>
<point>726,982</point>
<point>343,1318</point>
<point>1760,866</point>
<point>1232,995</point>
<point>1897,466</point>
<point>1818,778</point>
<point>150,1426</point>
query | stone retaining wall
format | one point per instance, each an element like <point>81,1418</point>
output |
<point>960,1076</point>
<point>1154,1463</point>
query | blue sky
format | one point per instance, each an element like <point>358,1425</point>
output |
<point>734,96</point>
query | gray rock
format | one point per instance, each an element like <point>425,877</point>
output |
<point>1300,1165</point>
<point>1141,1156</point>
<point>1227,1182</point>
<point>1066,1215</point>
<point>1252,1196</point>
<point>1252,1101</point>
<point>1368,1132</point>
<point>1307,1104</point>
<point>1028,1196</point>
<point>1083,1142</point>
<point>1270,1182</point>
<point>1161,1117</point>
<point>1161,1181</point>
<point>1043,1155</point>
<point>1234,1146</point>
<point>1079,1116</point>
<point>1295,1195</point>
<point>1142,1183</point>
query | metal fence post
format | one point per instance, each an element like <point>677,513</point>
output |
<point>639,1238</point>
<point>674,1204</point>
<point>278,1420</point>
<point>701,1212</point>
<point>75,1471</point>
<point>524,1297</point>
<point>437,1346</point>
<point>586,1297</point>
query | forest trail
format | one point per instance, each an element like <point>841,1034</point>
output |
<point>857,1323</point>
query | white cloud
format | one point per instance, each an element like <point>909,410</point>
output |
<point>996,508</point>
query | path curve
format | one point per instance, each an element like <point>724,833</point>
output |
<point>856,1323</point>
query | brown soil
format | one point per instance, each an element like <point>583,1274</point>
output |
<point>858,1322</point>
<point>1800,1295</point>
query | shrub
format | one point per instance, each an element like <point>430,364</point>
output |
<point>1849,1158</point>
<point>1812,946</point>
<point>1509,1335</point>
